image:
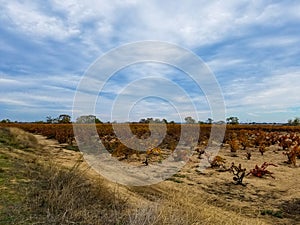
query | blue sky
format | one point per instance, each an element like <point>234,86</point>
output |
<point>252,47</point>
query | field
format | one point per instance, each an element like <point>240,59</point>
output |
<point>253,179</point>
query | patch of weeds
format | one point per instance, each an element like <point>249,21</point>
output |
<point>4,161</point>
<point>17,138</point>
<point>175,180</point>
<point>5,137</point>
<point>277,213</point>
<point>179,175</point>
<point>12,190</point>
<point>72,148</point>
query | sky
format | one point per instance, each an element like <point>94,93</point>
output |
<point>251,47</point>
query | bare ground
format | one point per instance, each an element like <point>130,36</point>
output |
<point>261,201</point>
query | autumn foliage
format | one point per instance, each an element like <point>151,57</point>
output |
<point>292,154</point>
<point>238,137</point>
<point>261,171</point>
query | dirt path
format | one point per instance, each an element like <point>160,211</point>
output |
<point>55,152</point>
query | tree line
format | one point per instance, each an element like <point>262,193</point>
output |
<point>84,119</point>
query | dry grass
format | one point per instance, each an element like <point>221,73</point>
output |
<point>66,196</point>
<point>38,191</point>
<point>186,210</point>
<point>18,138</point>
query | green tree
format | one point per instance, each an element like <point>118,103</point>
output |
<point>210,120</point>
<point>294,122</point>
<point>5,121</point>
<point>98,120</point>
<point>232,120</point>
<point>64,118</point>
<point>189,120</point>
<point>148,120</point>
<point>49,119</point>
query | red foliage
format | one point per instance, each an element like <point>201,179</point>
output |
<point>260,171</point>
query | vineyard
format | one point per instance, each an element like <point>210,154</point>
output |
<point>244,138</point>
<point>252,173</point>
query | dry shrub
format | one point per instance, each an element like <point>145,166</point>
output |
<point>238,173</point>
<point>292,154</point>
<point>215,161</point>
<point>234,145</point>
<point>262,149</point>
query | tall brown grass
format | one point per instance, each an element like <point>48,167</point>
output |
<point>66,196</point>
<point>15,137</point>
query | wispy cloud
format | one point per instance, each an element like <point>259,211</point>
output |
<point>29,19</point>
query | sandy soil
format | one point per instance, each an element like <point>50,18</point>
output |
<point>279,197</point>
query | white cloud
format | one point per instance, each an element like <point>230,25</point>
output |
<point>8,100</point>
<point>224,63</point>
<point>100,23</point>
<point>279,13</point>
<point>274,41</point>
<point>28,18</point>
<point>36,92</point>
<point>280,91</point>
<point>8,81</point>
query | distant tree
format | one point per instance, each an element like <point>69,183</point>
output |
<point>189,120</point>
<point>142,121</point>
<point>210,120</point>
<point>98,120</point>
<point>148,120</point>
<point>232,120</point>
<point>294,122</point>
<point>49,119</point>
<point>86,119</point>
<point>164,121</point>
<point>5,121</point>
<point>156,120</point>
<point>64,118</point>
